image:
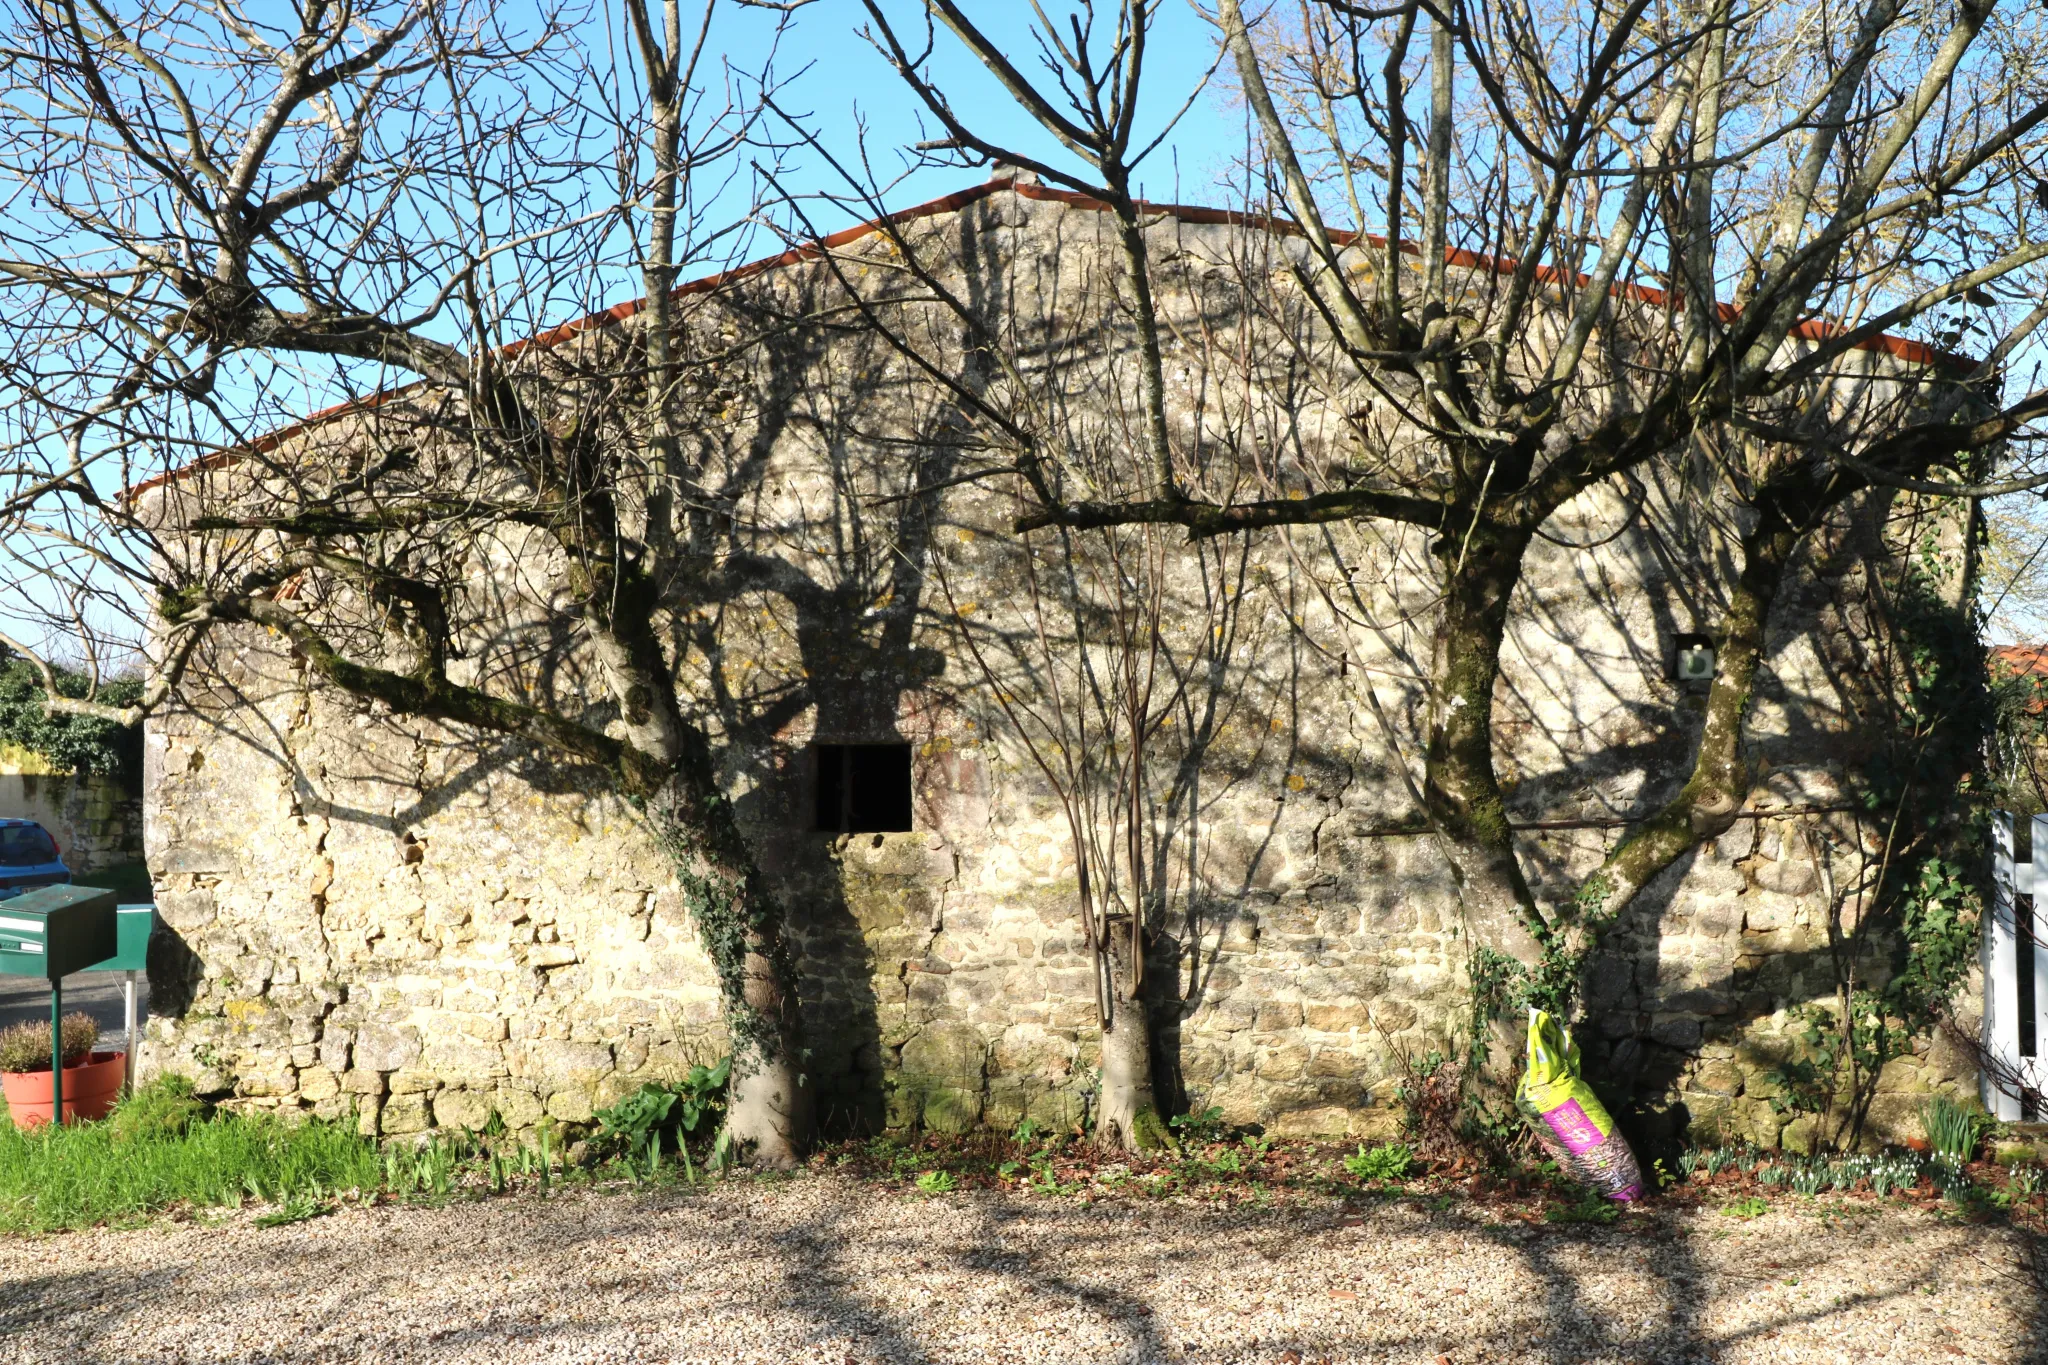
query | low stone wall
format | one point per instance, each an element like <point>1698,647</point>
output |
<point>440,935</point>
<point>95,820</point>
<point>425,925</point>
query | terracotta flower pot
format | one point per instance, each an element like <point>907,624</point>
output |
<point>90,1089</point>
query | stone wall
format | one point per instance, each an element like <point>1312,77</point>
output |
<point>97,821</point>
<point>376,915</point>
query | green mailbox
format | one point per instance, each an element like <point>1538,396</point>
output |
<point>51,932</point>
<point>133,924</point>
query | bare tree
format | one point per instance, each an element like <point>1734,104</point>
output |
<point>1750,242</point>
<point>215,214</point>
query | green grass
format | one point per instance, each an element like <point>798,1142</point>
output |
<point>166,1155</point>
<point>129,880</point>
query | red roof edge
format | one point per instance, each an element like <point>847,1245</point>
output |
<point>1912,352</point>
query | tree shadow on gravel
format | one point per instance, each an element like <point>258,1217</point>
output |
<point>1669,1257</point>
<point>826,1287</point>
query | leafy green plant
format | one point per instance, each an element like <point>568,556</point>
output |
<point>1755,1206</point>
<point>1590,1208</point>
<point>2024,1182</point>
<point>633,1128</point>
<point>936,1182</point>
<point>635,1122</point>
<point>72,743</point>
<point>26,1046</point>
<point>1387,1161</point>
<point>1225,1162</point>
<point>1954,1130</point>
<point>1204,1126</point>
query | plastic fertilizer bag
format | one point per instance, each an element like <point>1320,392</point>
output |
<point>1568,1117</point>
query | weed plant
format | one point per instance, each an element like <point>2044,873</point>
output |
<point>1388,1161</point>
<point>154,1155</point>
<point>1954,1130</point>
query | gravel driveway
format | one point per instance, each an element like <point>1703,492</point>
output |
<point>820,1269</point>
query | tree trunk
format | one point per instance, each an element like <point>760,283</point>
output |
<point>1462,787</point>
<point>1128,1116</point>
<point>768,1108</point>
<point>768,1102</point>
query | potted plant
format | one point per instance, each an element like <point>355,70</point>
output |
<point>92,1080</point>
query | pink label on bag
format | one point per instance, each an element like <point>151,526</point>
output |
<point>1576,1131</point>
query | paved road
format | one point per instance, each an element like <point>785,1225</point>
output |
<point>97,993</point>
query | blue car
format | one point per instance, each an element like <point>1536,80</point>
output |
<point>28,857</point>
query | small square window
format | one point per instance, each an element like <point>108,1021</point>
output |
<point>863,788</point>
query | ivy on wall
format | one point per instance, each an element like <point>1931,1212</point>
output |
<point>76,744</point>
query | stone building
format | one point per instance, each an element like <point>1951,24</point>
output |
<point>374,914</point>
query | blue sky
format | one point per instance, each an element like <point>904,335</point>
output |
<point>845,85</point>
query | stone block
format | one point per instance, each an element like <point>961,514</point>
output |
<point>1718,1078</point>
<point>413,1081</point>
<point>1335,1062</point>
<point>317,1084</point>
<point>1707,1002</point>
<point>403,1114</point>
<point>570,1106</point>
<point>940,1075</point>
<point>463,1059</point>
<point>361,1082</point>
<point>1797,1136</point>
<point>1795,877</point>
<point>1336,1018</point>
<point>1676,1031</point>
<point>263,1084</point>
<point>559,1065</point>
<point>519,1108</point>
<point>1277,1016</point>
<point>1028,1050</point>
<point>380,1047</point>
<point>462,1109</point>
<point>1228,1016</point>
<point>1281,1063</point>
<point>1320,1122</point>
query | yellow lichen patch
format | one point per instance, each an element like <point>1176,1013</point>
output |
<point>19,762</point>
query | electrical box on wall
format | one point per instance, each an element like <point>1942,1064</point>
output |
<point>1692,659</point>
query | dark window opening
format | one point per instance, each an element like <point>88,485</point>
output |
<point>863,788</point>
<point>2023,951</point>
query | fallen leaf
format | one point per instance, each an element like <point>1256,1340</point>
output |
<point>1443,1360</point>
<point>1287,1357</point>
<point>1342,1294</point>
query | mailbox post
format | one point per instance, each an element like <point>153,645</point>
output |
<point>133,926</point>
<point>52,931</point>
